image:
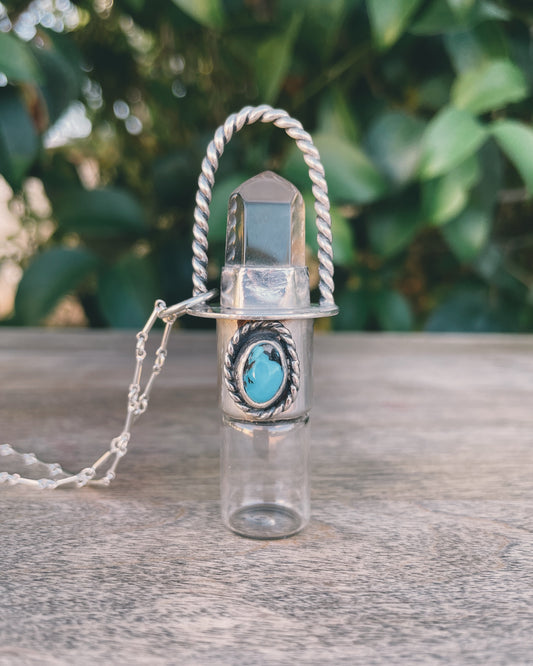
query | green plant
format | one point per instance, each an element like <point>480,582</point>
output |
<point>420,110</point>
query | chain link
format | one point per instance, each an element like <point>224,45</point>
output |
<point>138,399</point>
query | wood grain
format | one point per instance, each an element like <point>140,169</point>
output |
<point>420,546</point>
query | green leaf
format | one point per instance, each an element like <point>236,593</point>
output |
<point>434,92</point>
<point>103,213</point>
<point>462,8</point>
<point>354,310</point>
<point>343,240</point>
<point>392,225</point>
<point>468,234</point>
<point>388,20</point>
<point>438,17</point>
<point>516,141</point>
<point>489,87</point>
<point>393,311</point>
<point>393,142</point>
<point>127,292</point>
<point>17,61</point>
<point>336,117</point>
<point>351,176</point>
<point>492,265</point>
<point>49,277</point>
<point>492,10</point>
<point>18,139</point>
<point>209,13</point>
<point>219,206</point>
<point>445,197</point>
<point>61,80</point>
<point>470,49</point>
<point>272,60</point>
<point>485,194</point>
<point>322,21</point>
<point>174,180</point>
<point>471,310</point>
<point>134,5</point>
<point>520,50</point>
<point>451,137</point>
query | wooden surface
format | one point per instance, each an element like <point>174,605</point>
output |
<point>420,549</point>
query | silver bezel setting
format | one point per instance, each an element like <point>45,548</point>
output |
<point>244,339</point>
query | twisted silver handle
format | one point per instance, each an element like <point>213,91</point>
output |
<point>234,123</point>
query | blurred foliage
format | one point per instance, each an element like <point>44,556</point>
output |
<point>421,110</point>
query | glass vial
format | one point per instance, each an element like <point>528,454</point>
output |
<point>265,336</point>
<point>265,477</point>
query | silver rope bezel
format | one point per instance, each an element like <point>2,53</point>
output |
<point>283,337</point>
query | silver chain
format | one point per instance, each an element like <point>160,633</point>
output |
<point>137,404</point>
<point>293,128</point>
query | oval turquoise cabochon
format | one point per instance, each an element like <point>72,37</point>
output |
<point>263,373</point>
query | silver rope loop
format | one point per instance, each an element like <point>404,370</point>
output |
<point>293,128</point>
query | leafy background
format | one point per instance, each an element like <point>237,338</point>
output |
<point>421,110</point>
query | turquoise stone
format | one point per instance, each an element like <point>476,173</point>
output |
<point>263,373</point>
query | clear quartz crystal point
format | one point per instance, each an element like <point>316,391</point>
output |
<point>269,221</point>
